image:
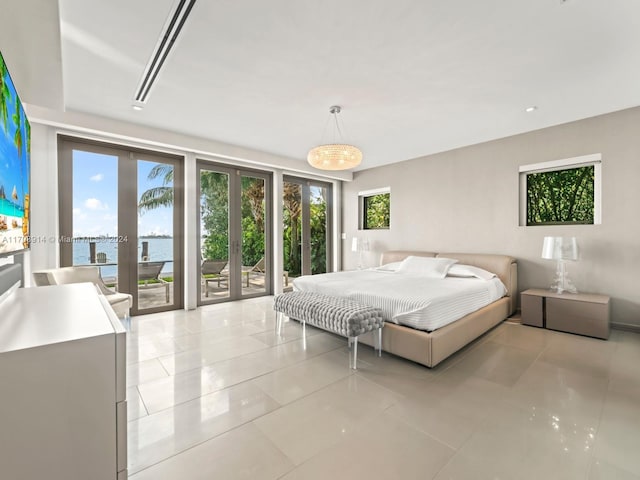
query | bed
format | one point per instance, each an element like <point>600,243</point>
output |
<point>427,335</point>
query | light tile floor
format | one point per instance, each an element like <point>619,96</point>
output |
<point>215,393</point>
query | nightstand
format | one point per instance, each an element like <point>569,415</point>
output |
<point>581,313</point>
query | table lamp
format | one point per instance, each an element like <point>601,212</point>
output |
<point>561,249</point>
<point>359,245</point>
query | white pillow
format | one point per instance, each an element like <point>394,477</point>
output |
<point>469,271</point>
<point>389,267</point>
<point>426,266</point>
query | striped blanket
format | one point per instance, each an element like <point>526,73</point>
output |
<point>408,299</point>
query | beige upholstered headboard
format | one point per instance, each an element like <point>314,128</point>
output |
<point>504,266</point>
<point>399,255</point>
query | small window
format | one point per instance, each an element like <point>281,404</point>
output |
<point>375,207</point>
<point>562,192</point>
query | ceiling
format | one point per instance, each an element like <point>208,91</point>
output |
<point>414,77</point>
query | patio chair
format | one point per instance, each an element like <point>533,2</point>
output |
<point>150,271</point>
<point>211,270</point>
<point>260,269</point>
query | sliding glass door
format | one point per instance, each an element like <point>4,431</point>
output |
<point>158,259</point>
<point>235,231</point>
<point>253,238</point>
<point>307,226</point>
<point>121,209</point>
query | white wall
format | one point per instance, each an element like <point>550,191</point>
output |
<point>43,198</point>
<point>466,200</point>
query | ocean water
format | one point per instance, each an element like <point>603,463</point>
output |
<point>160,249</point>
<point>10,209</point>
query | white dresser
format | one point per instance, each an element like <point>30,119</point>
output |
<point>63,412</point>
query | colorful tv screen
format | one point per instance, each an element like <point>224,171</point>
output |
<point>15,146</point>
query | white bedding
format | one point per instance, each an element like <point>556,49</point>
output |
<point>407,299</point>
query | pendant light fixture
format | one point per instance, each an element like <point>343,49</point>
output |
<point>336,155</point>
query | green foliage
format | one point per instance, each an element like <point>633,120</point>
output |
<point>253,200</point>
<point>319,237</point>
<point>291,241</point>
<point>377,211</point>
<point>252,242</point>
<point>292,211</point>
<point>216,247</point>
<point>17,138</point>
<point>214,202</point>
<point>293,228</point>
<point>561,197</point>
<point>5,95</point>
<point>253,212</point>
<point>214,205</point>
<point>153,280</point>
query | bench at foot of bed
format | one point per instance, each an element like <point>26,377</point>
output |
<point>334,314</point>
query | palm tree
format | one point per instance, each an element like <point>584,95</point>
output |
<point>254,194</point>
<point>292,201</point>
<point>158,196</point>
<point>5,95</point>
<point>17,138</point>
<point>214,208</point>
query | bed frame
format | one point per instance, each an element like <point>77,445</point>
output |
<point>431,348</point>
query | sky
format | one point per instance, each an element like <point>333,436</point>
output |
<point>95,197</point>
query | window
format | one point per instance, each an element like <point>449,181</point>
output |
<point>561,192</point>
<point>307,233</point>
<point>121,211</point>
<point>375,208</point>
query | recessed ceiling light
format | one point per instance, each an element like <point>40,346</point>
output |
<point>531,109</point>
<point>137,107</point>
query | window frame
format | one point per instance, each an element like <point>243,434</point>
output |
<point>362,196</point>
<point>594,160</point>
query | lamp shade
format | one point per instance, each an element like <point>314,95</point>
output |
<point>336,155</point>
<point>359,244</point>
<point>560,248</point>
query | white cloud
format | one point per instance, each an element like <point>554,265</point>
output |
<point>95,204</point>
<point>78,215</point>
<point>97,177</point>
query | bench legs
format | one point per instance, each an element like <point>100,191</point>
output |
<point>351,340</point>
<point>354,341</point>
<point>279,323</point>
<point>304,335</point>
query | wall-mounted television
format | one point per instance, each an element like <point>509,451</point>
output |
<point>15,165</point>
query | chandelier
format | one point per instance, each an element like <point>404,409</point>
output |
<point>336,155</point>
